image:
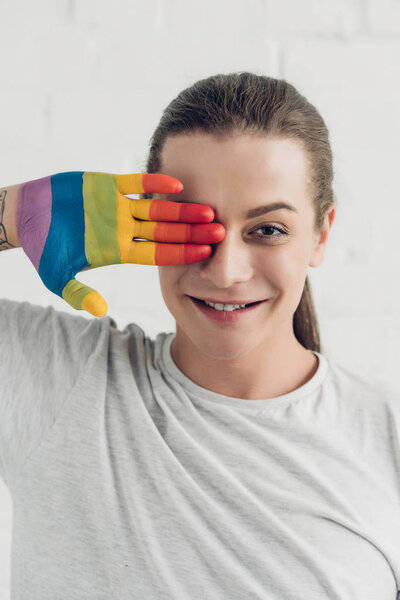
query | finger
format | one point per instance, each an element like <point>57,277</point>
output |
<point>82,297</point>
<point>138,183</point>
<point>209,233</point>
<point>168,210</point>
<point>154,253</point>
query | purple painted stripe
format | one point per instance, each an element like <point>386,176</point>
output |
<point>34,217</point>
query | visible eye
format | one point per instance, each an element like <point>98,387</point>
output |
<point>282,232</point>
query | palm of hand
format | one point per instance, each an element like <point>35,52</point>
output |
<point>76,221</point>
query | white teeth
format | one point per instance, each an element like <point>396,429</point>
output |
<point>227,307</point>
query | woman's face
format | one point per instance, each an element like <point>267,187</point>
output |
<point>255,261</point>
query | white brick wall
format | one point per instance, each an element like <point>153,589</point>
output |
<point>384,17</point>
<point>83,84</point>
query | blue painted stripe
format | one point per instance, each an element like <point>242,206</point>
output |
<point>64,251</point>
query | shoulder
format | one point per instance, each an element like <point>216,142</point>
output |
<point>361,388</point>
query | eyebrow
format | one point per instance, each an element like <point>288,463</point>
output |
<point>261,210</point>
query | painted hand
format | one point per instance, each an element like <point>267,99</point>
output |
<point>74,221</point>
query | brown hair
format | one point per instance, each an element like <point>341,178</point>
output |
<point>247,103</point>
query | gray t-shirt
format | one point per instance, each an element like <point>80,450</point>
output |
<point>130,481</point>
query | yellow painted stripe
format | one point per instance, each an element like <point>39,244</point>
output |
<point>130,184</point>
<point>143,253</point>
<point>144,229</point>
<point>94,304</point>
<point>126,227</point>
<point>141,208</point>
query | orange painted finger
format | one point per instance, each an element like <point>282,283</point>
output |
<point>208,233</point>
<point>139,183</point>
<point>168,210</point>
<point>154,253</point>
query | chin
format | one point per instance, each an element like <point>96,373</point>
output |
<point>221,349</point>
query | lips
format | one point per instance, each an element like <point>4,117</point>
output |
<point>223,317</point>
<point>214,301</point>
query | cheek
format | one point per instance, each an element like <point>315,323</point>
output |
<point>284,266</point>
<point>169,276</point>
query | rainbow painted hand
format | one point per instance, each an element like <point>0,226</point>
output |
<point>74,221</point>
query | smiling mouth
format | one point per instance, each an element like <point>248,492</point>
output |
<point>202,302</point>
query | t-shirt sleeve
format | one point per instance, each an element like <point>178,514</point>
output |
<point>42,353</point>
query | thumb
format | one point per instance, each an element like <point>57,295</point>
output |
<point>81,297</point>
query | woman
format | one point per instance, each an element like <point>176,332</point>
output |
<point>237,144</point>
<point>228,460</point>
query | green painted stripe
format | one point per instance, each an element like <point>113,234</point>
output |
<point>101,226</point>
<point>74,293</point>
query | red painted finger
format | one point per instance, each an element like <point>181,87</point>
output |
<point>181,254</point>
<point>209,233</point>
<point>161,184</point>
<point>184,212</point>
<point>137,183</point>
<point>168,210</point>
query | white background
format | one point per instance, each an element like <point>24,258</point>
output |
<point>83,84</point>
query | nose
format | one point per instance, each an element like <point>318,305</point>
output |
<point>229,263</point>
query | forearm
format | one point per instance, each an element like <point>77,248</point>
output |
<point>9,198</point>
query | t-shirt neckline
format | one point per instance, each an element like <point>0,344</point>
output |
<point>205,395</point>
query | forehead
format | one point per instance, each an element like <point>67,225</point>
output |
<point>242,163</point>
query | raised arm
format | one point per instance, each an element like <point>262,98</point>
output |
<point>8,226</point>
